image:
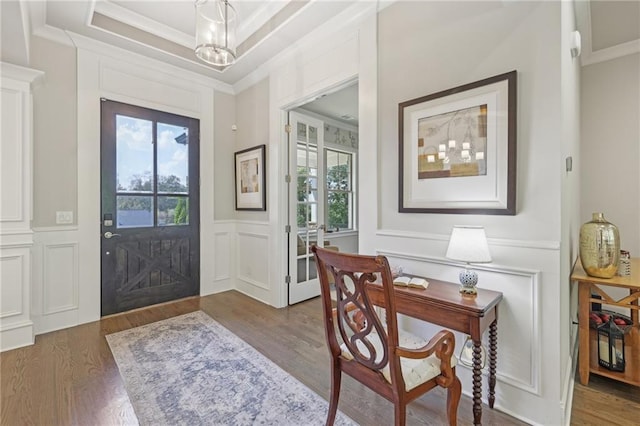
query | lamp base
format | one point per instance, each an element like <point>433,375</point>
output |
<point>468,280</point>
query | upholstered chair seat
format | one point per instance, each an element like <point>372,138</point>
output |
<point>414,371</point>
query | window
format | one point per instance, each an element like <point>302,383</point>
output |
<point>152,173</point>
<point>339,190</point>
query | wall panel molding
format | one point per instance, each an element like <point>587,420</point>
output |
<point>533,244</point>
<point>12,267</point>
<point>16,193</point>
<point>521,296</point>
<point>60,277</point>
<point>222,244</point>
<point>252,258</point>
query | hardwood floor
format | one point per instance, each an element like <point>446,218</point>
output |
<point>69,376</point>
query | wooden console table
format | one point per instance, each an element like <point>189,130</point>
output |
<point>588,351</point>
<point>442,304</point>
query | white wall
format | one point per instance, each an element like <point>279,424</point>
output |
<point>66,270</point>
<point>570,202</point>
<point>445,45</point>
<point>610,148</point>
<point>55,132</point>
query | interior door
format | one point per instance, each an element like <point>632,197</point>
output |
<point>306,205</point>
<point>150,207</point>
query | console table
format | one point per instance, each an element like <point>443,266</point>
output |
<point>588,351</point>
<point>442,304</point>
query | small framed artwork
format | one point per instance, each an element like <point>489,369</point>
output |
<point>251,179</point>
<point>457,149</point>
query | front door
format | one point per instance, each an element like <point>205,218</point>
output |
<point>150,207</point>
<point>306,205</point>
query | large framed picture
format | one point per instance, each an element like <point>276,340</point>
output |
<point>457,149</point>
<point>251,179</point>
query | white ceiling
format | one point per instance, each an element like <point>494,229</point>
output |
<point>164,30</point>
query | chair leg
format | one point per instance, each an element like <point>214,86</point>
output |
<point>336,378</point>
<point>400,413</point>
<point>453,399</point>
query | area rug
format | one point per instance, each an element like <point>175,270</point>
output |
<point>190,370</point>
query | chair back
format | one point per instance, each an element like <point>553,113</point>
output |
<point>356,319</point>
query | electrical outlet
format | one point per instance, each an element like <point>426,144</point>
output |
<point>64,218</point>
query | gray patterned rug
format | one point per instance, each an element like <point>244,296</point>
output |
<point>190,370</point>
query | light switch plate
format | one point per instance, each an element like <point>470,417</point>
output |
<point>64,217</point>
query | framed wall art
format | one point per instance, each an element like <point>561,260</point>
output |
<point>457,149</point>
<point>251,179</point>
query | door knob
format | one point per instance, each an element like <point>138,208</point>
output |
<point>109,234</point>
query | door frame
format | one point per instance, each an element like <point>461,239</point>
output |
<point>304,290</point>
<point>110,109</point>
<point>283,161</point>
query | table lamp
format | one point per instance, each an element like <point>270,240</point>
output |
<point>468,244</point>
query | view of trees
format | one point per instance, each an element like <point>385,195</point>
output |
<point>171,209</point>
<point>338,186</point>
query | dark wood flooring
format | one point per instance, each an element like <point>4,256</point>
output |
<point>69,376</point>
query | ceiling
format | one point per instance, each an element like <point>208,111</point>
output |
<point>608,28</point>
<point>164,30</point>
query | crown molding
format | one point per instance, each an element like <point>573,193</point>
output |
<point>350,18</point>
<point>20,73</point>
<point>589,56</point>
<point>619,51</point>
<point>141,22</point>
<point>87,43</point>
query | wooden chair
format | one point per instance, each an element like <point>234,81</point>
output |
<point>398,366</point>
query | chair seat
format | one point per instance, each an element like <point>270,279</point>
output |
<point>414,371</point>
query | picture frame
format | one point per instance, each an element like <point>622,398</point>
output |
<point>457,149</point>
<point>251,179</point>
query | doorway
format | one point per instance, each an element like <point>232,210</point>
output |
<point>322,195</point>
<point>150,243</point>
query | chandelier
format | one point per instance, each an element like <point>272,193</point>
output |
<point>216,32</point>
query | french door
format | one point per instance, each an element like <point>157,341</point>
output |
<point>306,204</point>
<point>150,244</point>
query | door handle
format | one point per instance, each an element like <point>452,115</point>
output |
<point>109,234</point>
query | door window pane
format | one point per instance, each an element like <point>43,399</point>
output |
<point>173,159</point>
<point>134,154</point>
<point>339,190</point>
<point>134,211</point>
<point>173,211</point>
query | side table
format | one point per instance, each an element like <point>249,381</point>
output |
<point>588,351</point>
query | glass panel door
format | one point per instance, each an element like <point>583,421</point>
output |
<point>305,204</point>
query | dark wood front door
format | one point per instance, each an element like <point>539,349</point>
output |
<point>150,207</point>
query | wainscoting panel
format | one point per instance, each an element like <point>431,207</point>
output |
<point>60,289</point>
<point>16,327</point>
<point>11,292</point>
<point>519,339</point>
<point>252,255</point>
<point>16,193</point>
<point>222,241</point>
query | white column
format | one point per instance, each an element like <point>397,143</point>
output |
<point>16,194</point>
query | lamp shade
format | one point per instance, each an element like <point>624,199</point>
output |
<point>468,244</point>
<point>216,32</point>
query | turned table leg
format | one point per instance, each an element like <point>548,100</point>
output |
<point>477,382</point>
<point>493,349</point>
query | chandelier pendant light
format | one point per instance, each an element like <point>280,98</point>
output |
<point>216,32</point>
